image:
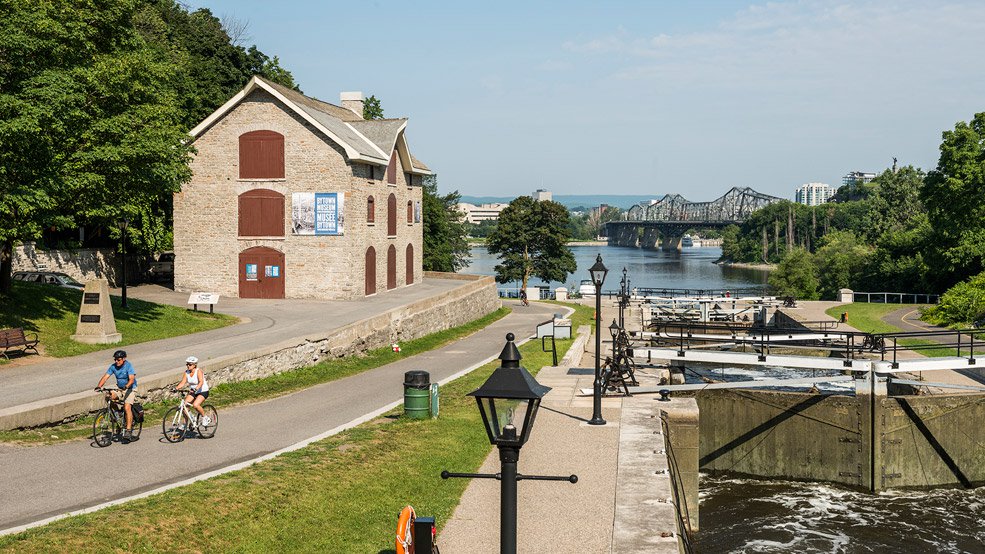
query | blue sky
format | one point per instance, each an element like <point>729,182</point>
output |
<point>641,97</point>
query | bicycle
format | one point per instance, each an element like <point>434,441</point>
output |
<point>181,419</point>
<point>111,421</point>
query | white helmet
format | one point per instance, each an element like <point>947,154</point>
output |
<point>191,360</point>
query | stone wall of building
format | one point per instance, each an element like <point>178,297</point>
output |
<point>207,244</point>
<point>83,264</point>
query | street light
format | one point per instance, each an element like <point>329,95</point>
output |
<point>509,392</point>
<point>598,273</point>
<point>623,296</point>
<point>124,223</point>
<point>614,333</point>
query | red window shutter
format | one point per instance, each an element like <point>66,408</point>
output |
<point>370,210</point>
<point>261,155</point>
<point>261,213</point>
<point>410,212</point>
<point>391,170</point>
<point>391,215</point>
<point>410,264</point>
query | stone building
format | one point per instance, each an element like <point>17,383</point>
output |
<point>298,198</point>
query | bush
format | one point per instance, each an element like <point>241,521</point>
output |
<point>961,305</point>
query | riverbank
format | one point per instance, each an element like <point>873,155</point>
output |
<point>744,265</point>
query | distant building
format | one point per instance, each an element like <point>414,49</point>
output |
<point>541,195</point>
<point>813,194</point>
<point>483,212</point>
<point>857,178</point>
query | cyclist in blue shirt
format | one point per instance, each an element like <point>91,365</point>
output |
<point>126,380</point>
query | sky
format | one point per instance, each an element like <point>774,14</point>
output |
<point>644,98</point>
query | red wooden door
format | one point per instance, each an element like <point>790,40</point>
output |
<point>370,271</point>
<point>261,273</point>
<point>391,267</point>
<point>410,265</point>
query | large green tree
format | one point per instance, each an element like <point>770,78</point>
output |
<point>90,130</point>
<point>842,261</point>
<point>796,276</point>
<point>445,245</point>
<point>531,240</point>
<point>954,194</point>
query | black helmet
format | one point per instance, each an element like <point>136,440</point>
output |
<point>119,354</point>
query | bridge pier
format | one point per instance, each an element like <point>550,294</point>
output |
<point>651,238</point>
<point>623,235</point>
<point>671,242</point>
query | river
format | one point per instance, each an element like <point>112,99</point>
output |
<point>690,268</point>
<point>749,516</point>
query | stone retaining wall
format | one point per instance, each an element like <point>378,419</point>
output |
<point>83,264</point>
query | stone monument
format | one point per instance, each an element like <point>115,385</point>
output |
<point>96,324</point>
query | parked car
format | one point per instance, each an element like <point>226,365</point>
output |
<point>162,268</point>
<point>586,288</point>
<point>48,278</point>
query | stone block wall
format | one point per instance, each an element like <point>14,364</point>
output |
<point>207,244</point>
<point>83,264</point>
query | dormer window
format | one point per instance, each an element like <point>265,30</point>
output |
<point>261,155</point>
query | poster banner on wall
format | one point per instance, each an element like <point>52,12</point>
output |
<point>317,213</point>
<point>417,212</point>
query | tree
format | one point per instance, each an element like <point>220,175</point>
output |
<point>842,262</point>
<point>795,276</point>
<point>89,125</point>
<point>445,246</point>
<point>956,205</point>
<point>372,109</point>
<point>531,241</point>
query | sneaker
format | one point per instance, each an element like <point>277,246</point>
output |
<point>127,434</point>
<point>206,421</point>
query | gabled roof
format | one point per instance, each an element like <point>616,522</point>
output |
<point>369,141</point>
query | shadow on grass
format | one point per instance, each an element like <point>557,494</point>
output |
<point>29,302</point>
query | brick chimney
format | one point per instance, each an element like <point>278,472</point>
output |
<point>353,101</point>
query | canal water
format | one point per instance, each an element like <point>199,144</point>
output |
<point>749,516</point>
<point>691,268</point>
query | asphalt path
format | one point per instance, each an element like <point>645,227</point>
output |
<point>908,319</point>
<point>45,481</point>
<point>266,322</point>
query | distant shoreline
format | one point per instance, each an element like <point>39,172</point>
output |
<point>744,265</point>
<point>588,243</point>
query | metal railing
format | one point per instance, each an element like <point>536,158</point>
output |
<point>896,297</point>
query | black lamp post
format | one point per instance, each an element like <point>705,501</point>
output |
<point>508,402</point>
<point>124,223</point>
<point>598,273</point>
<point>623,296</point>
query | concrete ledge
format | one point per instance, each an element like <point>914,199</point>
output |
<point>476,297</point>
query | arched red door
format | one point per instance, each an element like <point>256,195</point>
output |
<point>410,264</point>
<point>261,273</point>
<point>391,268</point>
<point>370,271</point>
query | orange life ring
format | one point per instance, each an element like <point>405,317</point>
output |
<point>405,530</point>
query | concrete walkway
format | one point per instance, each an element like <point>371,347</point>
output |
<point>44,481</point>
<point>267,322</point>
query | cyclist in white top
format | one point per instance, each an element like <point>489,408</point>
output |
<point>198,387</point>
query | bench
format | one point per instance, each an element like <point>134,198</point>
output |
<point>15,338</point>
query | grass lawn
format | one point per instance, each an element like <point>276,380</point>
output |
<point>241,392</point>
<point>342,494</point>
<point>52,313</point>
<point>867,317</point>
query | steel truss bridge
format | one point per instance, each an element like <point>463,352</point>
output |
<point>672,215</point>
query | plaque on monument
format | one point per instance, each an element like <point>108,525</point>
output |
<point>96,324</point>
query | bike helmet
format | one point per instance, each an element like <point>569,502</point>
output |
<point>119,354</point>
<point>191,360</point>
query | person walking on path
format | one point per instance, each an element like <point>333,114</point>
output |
<point>523,297</point>
<point>198,388</point>
<point>126,381</point>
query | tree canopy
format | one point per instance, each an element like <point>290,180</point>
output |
<point>531,240</point>
<point>445,245</point>
<point>372,109</point>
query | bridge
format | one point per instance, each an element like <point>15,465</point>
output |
<point>672,215</point>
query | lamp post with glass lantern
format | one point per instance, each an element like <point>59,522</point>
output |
<point>598,272</point>
<point>124,223</point>
<point>508,402</point>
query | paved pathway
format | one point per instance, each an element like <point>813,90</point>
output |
<point>267,322</point>
<point>44,481</point>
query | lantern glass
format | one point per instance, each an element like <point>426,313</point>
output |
<point>614,329</point>
<point>508,421</point>
<point>598,271</point>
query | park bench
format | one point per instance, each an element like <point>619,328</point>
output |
<point>15,338</point>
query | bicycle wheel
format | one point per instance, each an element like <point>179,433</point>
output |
<point>102,429</point>
<point>175,425</point>
<point>208,431</point>
<point>135,432</point>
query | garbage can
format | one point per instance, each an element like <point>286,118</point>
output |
<point>417,394</point>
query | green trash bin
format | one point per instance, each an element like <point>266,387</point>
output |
<point>417,394</point>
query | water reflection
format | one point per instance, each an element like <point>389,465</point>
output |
<point>691,268</point>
